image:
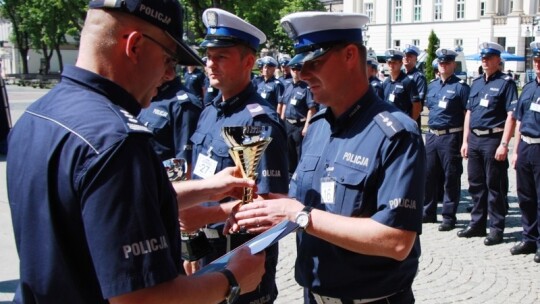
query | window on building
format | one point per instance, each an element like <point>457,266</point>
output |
<point>417,10</point>
<point>437,10</point>
<point>458,43</point>
<point>397,44</point>
<point>398,8</point>
<point>368,10</point>
<point>502,41</point>
<point>416,42</point>
<point>460,9</point>
<point>482,8</point>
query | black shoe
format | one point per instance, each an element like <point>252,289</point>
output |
<point>523,248</point>
<point>471,232</point>
<point>493,238</point>
<point>537,256</point>
<point>429,219</point>
<point>446,226</point>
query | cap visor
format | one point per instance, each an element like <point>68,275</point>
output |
<point>217,43</point>
<point>186,55</point>
<point>307,56</point>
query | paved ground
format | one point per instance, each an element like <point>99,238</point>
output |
<point>452,270</point>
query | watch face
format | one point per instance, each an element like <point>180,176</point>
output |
<point>234,293</point>
<point>302,219</point>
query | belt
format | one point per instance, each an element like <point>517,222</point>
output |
<point>446,131</point>
<point>329,300</point>
<point>530,140</point>
<point>479,132</point>
<point>295,121</point>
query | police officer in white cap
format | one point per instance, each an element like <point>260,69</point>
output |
<point>399,88</point>
<point>230,46</point>
<point>525,160</point>
<point>360,222</point>
<point>373,71</point>
<point>487,131</point>
<point>446,100</point>
<point>409,62</point>
<point>269,87</point>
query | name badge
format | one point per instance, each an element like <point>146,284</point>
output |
<point>263,95</point>
<point>210,90</point>
<point>328,188</point>
<point>484,102</point>
<point>535,107</point>
<point>391,97</point>
<point>205,166</point>
<point>443,104</point>
<point>294,101</point>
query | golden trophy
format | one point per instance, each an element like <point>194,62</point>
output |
<point>246,146</point>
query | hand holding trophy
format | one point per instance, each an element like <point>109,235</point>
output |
<point>246,147</point>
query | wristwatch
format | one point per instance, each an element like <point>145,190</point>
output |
<point>303,218</point>
<point>234,288</point>
<point>504,144</point>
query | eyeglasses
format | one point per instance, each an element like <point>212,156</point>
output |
<point>172,59</point>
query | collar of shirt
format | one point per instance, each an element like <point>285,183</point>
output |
<point>351,115</point>
<point>493,76</point>
<point>229,105</point>
<point>115,93</point>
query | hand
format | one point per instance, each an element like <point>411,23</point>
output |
<point>228,183</point>
<point>247,268</point>
<point>513,160</point>
<point>501,153</point>
<point>464,152</point>
<point>190,267</point>
<point>193,218</point>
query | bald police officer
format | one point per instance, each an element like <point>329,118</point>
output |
<point>487,130</point>
<point>446,100</point>
<point>527,162</point>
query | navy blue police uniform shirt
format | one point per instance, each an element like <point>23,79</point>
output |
<point>211,93</point>
<point>172,118</point>
<point>270,90</point>
<point>245,109</point>
<point>94,214</point>
<point>379,180</point>
<point>447,103</point>
<point>420,81</point>
<point>194,83</point>
<point>491,100</point>
<point>376,85</point>
<point>286,80</point>
<point>299,100</point>
<point>403,91</point>
<point>528,110</point>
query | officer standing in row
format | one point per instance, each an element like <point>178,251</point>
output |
<point>230,46</point>
<point>360,220</point>
<point>487,130</point>
<point>446,100</point>
<point>526,160</point>
<point>270,88</point>
<point>400,89</point>
<point>409,62</point>
<point>286,75</point>
<point>194,82</point>
<point>211,92</point>
<point>297,107</point>
<point>374,81</point>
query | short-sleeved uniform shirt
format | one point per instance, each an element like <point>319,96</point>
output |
<point>298,99</point>
<point>194,83</point>
<point>286,80</point>
<point>402,92</point>
<point>376,85</point>
<point>270,90</point>
<point>491,100</point>
<point>447,102</point>
<point>172,117</point>
<point>528,110</point>
<point>420,81</point>
<point>367,163</point>
<point>93,212</point>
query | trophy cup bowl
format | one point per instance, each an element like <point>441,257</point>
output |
<point>176,169</point>
<point>246,146</point>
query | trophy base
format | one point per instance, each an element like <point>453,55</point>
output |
<point>195,247</point>
<point>236,239</point>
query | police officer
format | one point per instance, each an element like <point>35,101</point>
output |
<point>270,88</point>
<point>286,75</point>
<point>374,81</point>
<point>172,117</point>
<point>446,100</point>
<point>211,92</point>
<point>409,62</point>
<point>194,82</point>
<point>399,88</point>
<point>435,66</point>
<point>360,220</point>
<point>97,221</point>
<point>487,130</point>
<point>526,159</point>
<point>297,109</point>
<point>258,78</point>
<point>230,46</point>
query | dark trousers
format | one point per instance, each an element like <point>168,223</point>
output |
<point>528,190</point>
<point>443,170</point>
<point>294,143</point>
<point>403,297</point>
<point>487,182</point>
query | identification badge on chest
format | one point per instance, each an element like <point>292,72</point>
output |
<point>391,97</point>
<point>210,90</point>
<point>263,94</point>
<point>328,189</point>
<point>484,102</point>
<point>535,106</point>
<point>443,103</point>
<point>205,167</point>
<point>294,101</point>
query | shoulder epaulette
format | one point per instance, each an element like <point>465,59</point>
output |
<point>255,109</point>
<point>389,124</point>
<point>132,123</point>
<point>478,77</point>
<point>320,114</point>
<point>507,78</point>
<point>182,96</point>
<point>434,79</point>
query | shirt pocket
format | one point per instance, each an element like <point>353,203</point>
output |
<point>307,188</point>
<point>349,188</point>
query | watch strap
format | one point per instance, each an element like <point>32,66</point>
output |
<point>232,282</point>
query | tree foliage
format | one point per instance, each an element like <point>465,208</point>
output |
<point>433,44</point>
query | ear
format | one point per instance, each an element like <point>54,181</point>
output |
<point>351,55</point>
<point>133,46</point>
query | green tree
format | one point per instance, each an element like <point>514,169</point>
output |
<point>433,44</point>
<point>10,9</point>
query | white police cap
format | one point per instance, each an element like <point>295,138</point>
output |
<point>445,55</point>
<point>315,32</point>
<point>535,47</point>
<point>435,64</point>
<point>268,60</point>
<point>392,54</point>
<point>284,60</point>
<point>490,48</point>
<point>411,49</point>
<point>225,30</point>
<point>371,60</point>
